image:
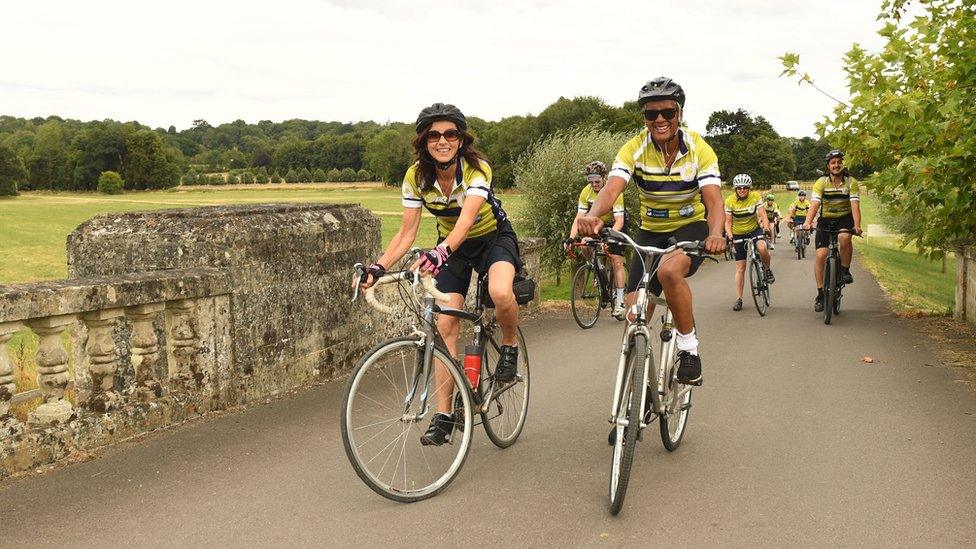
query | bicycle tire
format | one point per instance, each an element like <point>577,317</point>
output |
<point>585,311</point>
<point>622,457</point>
<point>830,287</point>
<point>756,281</point>
<point>495,418</point>
<point>676,397</point>
<point>378,368</point>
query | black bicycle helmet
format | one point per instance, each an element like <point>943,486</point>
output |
<point>836,153</point>
<point>441,111</point>
<point>661,87</point>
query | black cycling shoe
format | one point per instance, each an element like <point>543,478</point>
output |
<point>689,368</point>
<point>769,276</point>
<point>845,275</point>
<point>507,364</point>
<point>818,303</point>
<point>440,430</point>
<point>738,305</point>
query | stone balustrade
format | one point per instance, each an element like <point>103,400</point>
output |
<point>170,314</point>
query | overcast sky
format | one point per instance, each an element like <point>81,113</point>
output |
<point>172,62</point>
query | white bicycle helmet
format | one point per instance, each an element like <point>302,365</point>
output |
<point>742,180</point>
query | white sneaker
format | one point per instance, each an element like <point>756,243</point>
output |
<point>618,311</point>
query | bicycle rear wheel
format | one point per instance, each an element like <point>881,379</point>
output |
<point>505,415</point>
<point>628,423</point>
<point>382,436</point>
<point>675,397</point>
<point>756,283</point>
<point>586,296</point>
<point>830,287</point>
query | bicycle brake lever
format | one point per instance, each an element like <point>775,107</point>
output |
<point>360,271</point>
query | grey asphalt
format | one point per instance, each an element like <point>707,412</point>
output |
<point>792,441</point>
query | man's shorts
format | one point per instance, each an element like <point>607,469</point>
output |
<point>740,248</point>
<point>478,254</point>
<point>799,220</point>
<point>697,230</point>
<point>822,239</point>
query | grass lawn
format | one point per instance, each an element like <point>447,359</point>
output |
<point>34,226</point>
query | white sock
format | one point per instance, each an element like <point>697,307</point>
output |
<point>619,292</point>
<point>687,342</point>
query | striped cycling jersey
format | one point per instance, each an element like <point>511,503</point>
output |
<point>670,199</point>
<point>835,201</point>
<point>468,181</point>
<point>743,212</point>
<point>772,210</point>
<point>588,196</point>
<point>800,207</point>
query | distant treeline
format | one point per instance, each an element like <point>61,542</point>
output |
<point>64,154</point>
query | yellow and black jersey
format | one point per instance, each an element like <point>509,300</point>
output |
<point>588,196</point>
<point>800,207</point>
<point>468,181</point>
<point>835,201</point>
<point>744,212</point>
<point>670,199</point>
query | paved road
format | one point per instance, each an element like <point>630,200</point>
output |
<point>810,447</point>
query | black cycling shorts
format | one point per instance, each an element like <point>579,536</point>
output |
<point>822,239</point>
<point>478,254</point>
<point>740,248</point>
<point>697,230</point>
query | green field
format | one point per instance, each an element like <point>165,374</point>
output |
<point>34,226</point>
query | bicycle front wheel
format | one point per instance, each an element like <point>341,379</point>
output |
<point>756,283</point>
<point>628,423</point>
<point>381,431</point>
<point>504,416</point>
<point>830,288</point>
<point>675,397</point>
<point>585,299</point>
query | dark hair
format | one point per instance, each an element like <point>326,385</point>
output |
<point>426,174</point>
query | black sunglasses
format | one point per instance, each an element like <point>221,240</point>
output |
<point>433,136</point>
<point>668,114</point>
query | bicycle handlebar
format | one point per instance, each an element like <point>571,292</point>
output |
<point>692,247</point>
<point>410,276</point>
<point>752,238</point>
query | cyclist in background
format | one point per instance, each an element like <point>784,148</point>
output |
<point>676,173</point>
<point>797,214</point>
<point>746,218</point>
<point>773,215</point>
<point>452,180</point>
<point>836,197</point>
<point>596,176</point>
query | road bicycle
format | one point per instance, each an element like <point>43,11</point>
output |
<point>640,378</point>
<point>833,288</point>
<point>758,284</point>
<point>801,238</point>
<point>388,398</point>
<point>592,289</point>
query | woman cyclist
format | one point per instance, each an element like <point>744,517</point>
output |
<point>797,214</point>
<point>773,215</point>
<point>451,178</point>
<point>745,217</point>
<point>596,177</point>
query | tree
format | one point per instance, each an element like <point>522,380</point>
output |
<point>261,178</point>
<point>145,163</point>
<point>47,162</point>
<point>388,155</point>
<point>334,176</point>
<point>232,179</point>
<point>291,176</point>
<point>275,178</point>
<point>247,178</point>
<point>318,176</point>
<point>190,178</point>
<point>809,154</point>
<point>11,171</point>
<point>110,183</point>
<point>304,176</point>
<point>504,142</point>
<point>347,175</point>
<point>912,116</point>
<point>363,175</point>
<point>747,144</point>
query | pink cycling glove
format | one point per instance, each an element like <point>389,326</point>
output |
<point>434,259</point>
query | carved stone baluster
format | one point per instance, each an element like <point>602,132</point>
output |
<point>184,336</point>
<point>145,350</point>
<point>103,358</point>
<point>7,385</point>
<point>52,370</point>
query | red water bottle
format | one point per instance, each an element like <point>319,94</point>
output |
<point>472,364</point>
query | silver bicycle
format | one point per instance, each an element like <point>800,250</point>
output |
<point>640,378</point>
<point>389,397</point>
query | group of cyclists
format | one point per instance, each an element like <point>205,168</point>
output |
<point>677,176</point>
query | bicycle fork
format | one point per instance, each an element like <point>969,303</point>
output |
<point>422,367</point>
<point>624,375</point>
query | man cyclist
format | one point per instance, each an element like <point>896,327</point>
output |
<point>835,197</point>
<point>773,215</point>
<point>596,176</point>
<point>677,175</point>
<point>746,218</point>
<point>797,214</point>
